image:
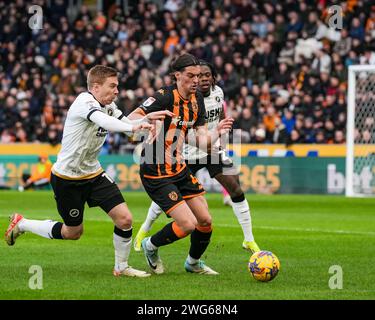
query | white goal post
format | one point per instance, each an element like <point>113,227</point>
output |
<point>360,131</point>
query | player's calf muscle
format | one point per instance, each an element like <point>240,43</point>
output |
<point>231,184</point>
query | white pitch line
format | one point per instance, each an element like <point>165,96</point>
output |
<point>235,225</point>
<point>367,233</point>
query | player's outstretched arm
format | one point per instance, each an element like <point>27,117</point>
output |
<point>139,114</point>
<point>110,123</point>
<point>154,118</point>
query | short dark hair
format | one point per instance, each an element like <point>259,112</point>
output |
<point>99,73</point>
<point>212,69</point>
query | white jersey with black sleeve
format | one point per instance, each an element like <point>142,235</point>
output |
<point>214,104</point>
<point>85,131</point>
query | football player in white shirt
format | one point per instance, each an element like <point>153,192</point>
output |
<point>198,159</point>
<point>77,176</point>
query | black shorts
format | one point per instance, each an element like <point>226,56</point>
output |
<point>213,168</point>
<point>71,196</point>
<point>170,192</point>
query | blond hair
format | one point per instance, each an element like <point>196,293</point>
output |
<point>99,74</point>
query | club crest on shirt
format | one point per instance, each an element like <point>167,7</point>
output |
<point>148,102</point>
<point>161,91</point>
<point>110,111</point>
<point>173,196</point>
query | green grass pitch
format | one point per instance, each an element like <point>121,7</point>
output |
<point>309,234</point>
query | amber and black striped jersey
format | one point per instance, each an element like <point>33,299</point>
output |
<point>164,158</point>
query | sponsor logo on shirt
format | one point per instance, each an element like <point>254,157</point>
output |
<point>213,115</point>
<point>101,132</point>
<point>148,102</point>
<point>177,121</point>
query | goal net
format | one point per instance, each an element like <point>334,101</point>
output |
<point>360,135</point>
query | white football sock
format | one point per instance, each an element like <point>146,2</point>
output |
<point>242,212</point>
<point>42,228</point>
<point>191,260</point>
<point>149,245</point>
<point>122,251</point>
<point>153,213</point>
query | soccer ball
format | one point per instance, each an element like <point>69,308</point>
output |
<point>264,266</point>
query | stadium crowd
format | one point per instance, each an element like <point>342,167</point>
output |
<point>282,69</point>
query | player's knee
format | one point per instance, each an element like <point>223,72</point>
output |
<point>205,221</point>
<point>188,226</point>
<point>125,222</point>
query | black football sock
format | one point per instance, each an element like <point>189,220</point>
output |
<point>170,233</point>
<point>199,242</point>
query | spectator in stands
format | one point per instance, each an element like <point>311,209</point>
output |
<point>320,137</point>
<point>329,130</point>
<point>367,137</point>
<point>259,135</point>
<point>368,57</point>
<point>280,134</point>
<point>339,137</point>
<point>343,46</point>
<point>311,25</point>
<point>231,81</point>
<point>295,137</point>
<point>269,120</point>
<point>264,47</point>
<point>281,76</point>
<point>308,130</point>
<point>295,24</point>
<point>288,120</point>
<point>357,31</point>
<point>40,174</point>
<point>246,122</point>
<point>322,62</point>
